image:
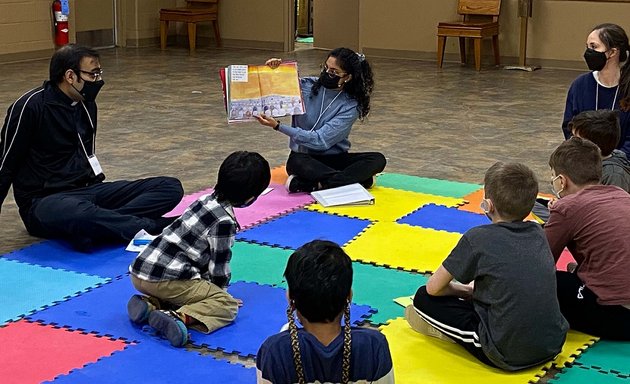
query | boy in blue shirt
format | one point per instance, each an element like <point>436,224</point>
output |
<point>319,277</point>
<point>185,270</point>
<point>510,317</point>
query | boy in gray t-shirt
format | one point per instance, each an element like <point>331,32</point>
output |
<point>504,308</point>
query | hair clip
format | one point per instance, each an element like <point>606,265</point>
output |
<point>361,57</point>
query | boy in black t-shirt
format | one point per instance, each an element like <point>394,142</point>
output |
<point>504,308</point>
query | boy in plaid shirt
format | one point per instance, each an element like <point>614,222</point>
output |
<point>185,270</point>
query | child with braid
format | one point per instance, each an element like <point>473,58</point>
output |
<point>319,279</point>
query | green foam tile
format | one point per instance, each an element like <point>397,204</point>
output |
<point>258,263</point>
<point>372,285</point>
<point>426,185</point>
<point>608,356</point>
<point>577,375</point>
<point>378,287</point>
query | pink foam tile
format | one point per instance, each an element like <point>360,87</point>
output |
<point>186,201</point>
<point>274,203</point>
<point>564,259</point>
<point>32,352</point>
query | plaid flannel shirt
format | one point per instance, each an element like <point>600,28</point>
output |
<point>195,246</point>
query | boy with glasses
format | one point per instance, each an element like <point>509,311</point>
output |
<point>48,154</point>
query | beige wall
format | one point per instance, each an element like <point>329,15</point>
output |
<point>557,30</point>
<point>94,15</point>
<point>25,26</point>
<point>336,23</point>
<point>396,28</point>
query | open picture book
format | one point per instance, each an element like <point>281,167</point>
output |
<point>251,90</point>
<point>353,194</point>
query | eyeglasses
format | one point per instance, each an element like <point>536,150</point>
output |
<point>96,75</point>
<point>332,72</point>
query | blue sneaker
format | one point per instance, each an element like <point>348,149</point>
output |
<point>139,308</point>
<point>170,326</point>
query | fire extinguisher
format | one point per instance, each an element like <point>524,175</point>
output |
<point>61,24</point>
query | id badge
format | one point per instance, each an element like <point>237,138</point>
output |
<point>96,166</point>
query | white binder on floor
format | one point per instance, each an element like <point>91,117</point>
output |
<point>353,194</point>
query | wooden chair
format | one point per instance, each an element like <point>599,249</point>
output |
<point>480,19</point>
<point>196,11</point>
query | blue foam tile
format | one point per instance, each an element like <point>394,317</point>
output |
<point>297,228</point>
<point>107,261</point>
<point>25,288</point>
<point>101,311</point>
<point>153,362</point>
<point>263,314</point>
<point>444,219</point>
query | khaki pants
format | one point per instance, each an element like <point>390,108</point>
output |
<point>205,302</point>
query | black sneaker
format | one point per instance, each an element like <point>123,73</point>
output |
<point>139,308</point>
<point>170,326</point>
<point>295,185</point>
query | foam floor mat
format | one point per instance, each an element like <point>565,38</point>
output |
<point>402,246</point>
<point>258,263</point>
<point>151,362</point>
<point>32,353</point>
<point>444,219</point>
<point>417,358</point>
<point>107,261</point>
<point>378,287</point>
<point>608,356</point>
<point>297,228</point>
<point>389,204</point>
<point>580,375</point>
<point>25,288</point>
<point>263,314</point>
<point>101,311</point>
<point>275,203</point>
<point>272,204</point>
<point>372,285</point>
<point>426,185</point>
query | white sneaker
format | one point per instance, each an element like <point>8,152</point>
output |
<point>420,325</point>
<point>287,184</point>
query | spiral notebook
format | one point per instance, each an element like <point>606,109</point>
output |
<point>353,194</point>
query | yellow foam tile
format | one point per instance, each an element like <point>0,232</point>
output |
<point>423,359</point>
<point>390,204</point>
<point>402,246</point>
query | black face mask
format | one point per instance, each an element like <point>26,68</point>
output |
<point>329,81</point>
<point>595,60</point>
<point>90,89</point>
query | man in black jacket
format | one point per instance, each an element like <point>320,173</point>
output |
<point>47,149</point>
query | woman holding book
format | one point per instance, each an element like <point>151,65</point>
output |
<point>318,139</point>
<point>608,85</point>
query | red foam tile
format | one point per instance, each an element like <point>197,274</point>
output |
<point>32,353</point>
<point>565,258</point>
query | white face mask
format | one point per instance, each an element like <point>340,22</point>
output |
<point>553,189</point>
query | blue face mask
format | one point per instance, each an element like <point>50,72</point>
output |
<point>485,207</point>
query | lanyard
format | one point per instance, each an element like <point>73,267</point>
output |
<point>597,98</point>
<point>321,108</point>
<point>93,135</point>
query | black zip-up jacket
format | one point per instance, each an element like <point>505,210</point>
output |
<point>40,146</point>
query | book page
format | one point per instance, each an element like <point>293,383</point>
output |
<point>280,90</point>
<point>353,194</point>
<point>243,93</point>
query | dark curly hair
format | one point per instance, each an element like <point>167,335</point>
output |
<point>360,85</point>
